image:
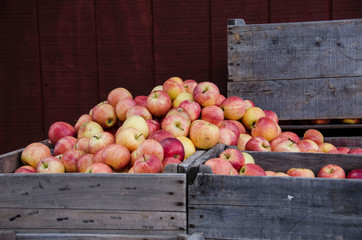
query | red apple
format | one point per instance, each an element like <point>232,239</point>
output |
<point>99,168</point>
<point>320,121</point>
<point>89,129</point>
<point>239,126</point>
<point>81,120</point>
<point>242,140</point>
<point>100,140</point>
<point>314,135</point>
<point>270,173</point>
<point>343,150</point>
<point>159,103</point>
<point>172,147</point>
<point>34,152</point>
<point>70,159</point>
<point>227,137</point>
<point>105,115</point>
<point>265,127</point>
<point>64,144</point>
<point>161,134</point>
<point>192,108</point>
<point>221,166</point>
<point>141,100</point>
<point>252,169</point>
<point>84,162</point>
<point>189,85</point>
<point>148,164</point>
<point>123,106</point>
<point>291,136</point>
<point>258,144</point>
<point>280,174</point>
<point>213,115</point>
<point>203,134</point>
<point>234,107</point>
<point>272,115</point>
<point>327,147</point>
<point>179,111</point>
<point>182,97</point>
<point>248,103</point>
<point>140,111</point>
<point>250,117</point>
<point>355,151</point>
<point>153,126</point>
<point>206,94</point>
<point>82,144</point>
<point>50,164</point>
<point>98,156</point>
<point>117,95</point>
<point>25,169</point>
<point>176,125</point>
<point>307,145</point>
<point>58,130</point>
<point>150,147</point>
<point>137,122</point>
<point>116,156</point>
<point>285,145</point>
<point>234,156</point>
<point>232,126</point>
<point>300,172</point>
<point>219,100</point>
<point>170,160</point>
<point>355,174</point>
<point>331,171</point>
<point>130,138</point>
<point>173,87</point>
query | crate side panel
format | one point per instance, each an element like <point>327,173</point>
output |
<point>297,99</point>
<point>295,50</point>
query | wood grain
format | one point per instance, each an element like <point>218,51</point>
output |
<point>343,9</point>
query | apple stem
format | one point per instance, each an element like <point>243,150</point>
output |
<point>144,157</point>
<point>44,164</point>
<point>138,136</point>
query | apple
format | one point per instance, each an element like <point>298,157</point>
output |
<point>84,162</point>
<point>320,121</point>
<point>315,135</point>
<point>25,169</point>
<point>331,171</point>
<point>81,120</point>
<point>206,94</point>
<point>229,124</point>
<point>123,106</point>
<point>159,135</point>
<point>140,111</point>
<point>117,95</point>
<point>148,163</point>
<point>355,174</point>
<point>219,100</point>
<point>242,140</point>
<point>249,103</point>
<point>248,158</point>
<point>153,126</point>
<point>170,160</point>
<point>137,122</point>
<point>89,129</point>
<point>172,147</point>
<point>176,125</point>
<point>280,174</point>
<point>82,144</point>
<point>252,169</point>
<point>285,145</point>
<point>50,164</point>
<point>189,85</point>
<point>327,147</point>
<point>307,145</point>
<point>173,87</point>
<point>150,147</point>
<point>234,156</point>
<point>291,136</point>
<point>343,150</point>
<point>100,140</point>
<point>105,115</point>
<point>159,103</point>
<point>99,168</point>
<point>212,114</point>
<point>156,88</point>
<point>220,166</point>
<point>239,125</point>
<point>203,134</point>
<point>116,156</point>
<point>34,152</point>
<point>64,144</point>
<point>250,117</point>
<point>265,127</point>
<point>179,111</point>
<point>98,156</point>
<point>58,130</point>
<point>234,107</point>
<point>355,151</point>
<point>70,158</point>
<point>192,108</point>
<point>300,172</point>
<point>258,144</point>
<point>351,120</point>
<point>182,97</point>
<point>130,138</point>
<point>227,137</point>
<point>272,115</point>
<point>270,173</point>
<point>189,146</point>
<point>141,100</point>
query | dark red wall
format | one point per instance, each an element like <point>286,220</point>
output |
<point>58,58</point>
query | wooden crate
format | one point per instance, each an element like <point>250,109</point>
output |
<point>80,203</point>
<point>302,71</point>
<point>254,207</point>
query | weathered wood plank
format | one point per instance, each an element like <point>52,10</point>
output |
<point>131,192</point>
<point>9,162</point>
<point>306,50</point>
<point>345,141</point>
<point>7,235</point>
<point>296,99</point>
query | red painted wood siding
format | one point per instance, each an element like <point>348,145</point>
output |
<point>60,58</point>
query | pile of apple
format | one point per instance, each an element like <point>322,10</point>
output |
<point>235,162</point>
<point>143,134</point>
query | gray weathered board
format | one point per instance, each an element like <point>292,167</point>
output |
<point>304,70</point>
<point>115,203</point>
<point>252,207</point>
